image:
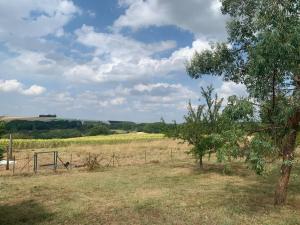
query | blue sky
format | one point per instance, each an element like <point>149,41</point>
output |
<point>105,60</point>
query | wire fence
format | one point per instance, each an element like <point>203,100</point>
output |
<point>35,162</point>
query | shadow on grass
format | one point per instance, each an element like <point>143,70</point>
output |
<point>251,195</point>
<point>256,196</point>
<point>26,212</point>
<point>232,169</point>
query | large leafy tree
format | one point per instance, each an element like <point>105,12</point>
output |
<point>263,53</point>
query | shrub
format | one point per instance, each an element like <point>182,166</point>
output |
<point>92,161</point>
<point>98,130</point>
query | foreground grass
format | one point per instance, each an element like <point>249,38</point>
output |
<point>169,193</point>
<point>101,139</point>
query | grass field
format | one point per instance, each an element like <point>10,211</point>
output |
<point>164,192</point>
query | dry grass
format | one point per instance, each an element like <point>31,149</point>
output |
<point>133,153</point>
<point>163,193</point>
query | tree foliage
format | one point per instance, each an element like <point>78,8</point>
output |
<point>200,125</point>
<point>263,53</point>
<point>209,129</point>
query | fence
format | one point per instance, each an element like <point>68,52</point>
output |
<point>38,162</point>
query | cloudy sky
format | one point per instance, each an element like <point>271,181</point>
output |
<point>105,59</point>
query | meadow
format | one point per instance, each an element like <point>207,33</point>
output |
<point>160,190</point>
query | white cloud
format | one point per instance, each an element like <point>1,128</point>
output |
<point>201,17</point>
<point>155,96</point>
<point>118,101</point>
<point>143,97</point>
<point>25,27</point>
<point>10,85</point>
<point>34,18</point>
<point>159,87</point>
<point>230,88</point>
<point>34,90</point>
<point>34,65</point>
<point>118,45</point>
<point>16,86</point>
<point>119,58</point>
<point>32,62</point>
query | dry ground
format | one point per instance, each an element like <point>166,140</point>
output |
<point>153,193</point>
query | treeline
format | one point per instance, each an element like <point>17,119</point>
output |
<point>68,128</point>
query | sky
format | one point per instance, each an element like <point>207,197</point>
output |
<point>106,59</point>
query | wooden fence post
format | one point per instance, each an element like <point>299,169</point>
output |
<point>14,165</point>
<point>10,147</point>
<point>71,162</point>
<point>113,158</point>
<point>145,156</point>
<point>7,158</point>
<point>35,162</point>
<point>55,160</point>
<point>28,166</point>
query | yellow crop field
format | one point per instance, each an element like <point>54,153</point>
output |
<point>101,139</point>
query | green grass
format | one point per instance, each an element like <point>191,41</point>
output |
<point>101,139</point>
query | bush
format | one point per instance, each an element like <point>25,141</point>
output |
<point>92,161</point>
<point>98,130</point>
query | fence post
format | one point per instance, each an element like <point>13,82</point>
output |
<point>10,147</point>
<point>71,162</point>
<point>28,166</point>
<point>56,157</point>
<point>145,156</point>
<point>7,158</point>
<point>35,162</point>
<point>14,165</point>
<point>171,154</point>
<point>113,158</point>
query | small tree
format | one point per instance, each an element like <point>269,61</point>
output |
<point>201,125</point>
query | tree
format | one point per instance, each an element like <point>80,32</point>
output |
<point>201,125</point>
<point>212,130</point>
<point>263,53</point>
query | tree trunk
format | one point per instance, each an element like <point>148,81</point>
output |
<point>288,149</point>
<point>288,155</point>
<point>282,186</point>
<point>200,162</point>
